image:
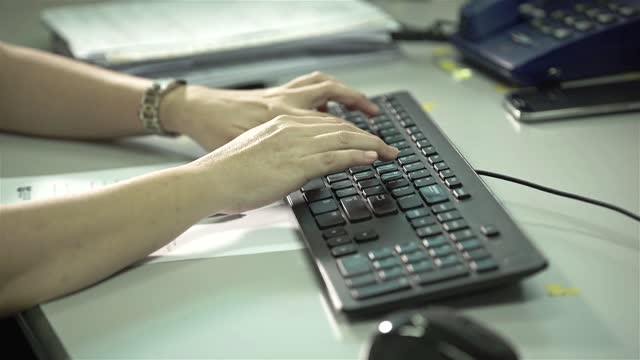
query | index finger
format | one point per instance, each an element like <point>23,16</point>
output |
<point>317,95</point>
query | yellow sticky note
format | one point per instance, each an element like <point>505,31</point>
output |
<point>502,89</point>
<point>428,106</point>
<point>559,290</point>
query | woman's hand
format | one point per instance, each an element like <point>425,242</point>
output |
<point>268,162</point>
<point>214,117</point>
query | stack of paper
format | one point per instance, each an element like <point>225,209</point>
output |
<point>149,38</point>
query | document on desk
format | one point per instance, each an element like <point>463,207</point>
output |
<point>272,228</point>
<point>117,32</point>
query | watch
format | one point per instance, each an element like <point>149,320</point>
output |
<point>150,104</point>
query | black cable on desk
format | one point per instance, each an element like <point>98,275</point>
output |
<point>440,30</point>
<point>558,192</point>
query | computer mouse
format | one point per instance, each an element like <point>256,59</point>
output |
<point>436,333</point>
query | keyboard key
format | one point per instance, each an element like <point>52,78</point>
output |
<point>428,151</point>
<point>461,194</point>
<point>379,163</point>
<point>407,122</point>
<point>433,194</point>
<point>330,219</point>
<point>441,275</point>
<point>407,248</point>
<point>399,192</point>
<point>355,208</point>
<point>359,169</point>
<point>449,215</point>
<point>386,168</point>
<point>388,131</point>
<point>380,253</point>
<point>413,167</point>
<point>391,176</point>
<point>434,159</point>
<point>333,232</point>
<point>343,250</point>
<point>361,280</point>
<point>385,263</point>
<point>380,289</point>
<point>469,244</point>
<point>453,182</point>
<point>423,143</point>
<point>445,174</point>
<point>391,273</point>
<point>429,180</point>
<point>419,174</point>
<point>341,184</point>
<point>411,129</point>
<point>408,159</point>
<point>367,235</point>
<point>420,267</point>
<point>418,136</point>
<point>423,221</point>
<point>368,183</point>
<point>346,192</point>
<point>414,257</point>
<point>489,230</point>
<point>393,184</point>
<point>405,152</point>
<point>316,183</point>
<point>376,190</point>
<point>440,166</point>
<point>416,213</point>
<point>435,241</point>
<point>447,261</point>
<point>461,235</point>
<point>384,126</point>
<point>338,240</point>
<point>363,175</point>
<point>454,225</point>
<point>393,138</point>
<point>317,194</point>
<point>478,254</point>
<point>352,265</point>
<point>428,231</point>
<point>409,202</point>
<point>336,177</point>
<point>323,206</point>
<point>442,208</point>
<point>485,265</point>
<point>400,145</point>
<point>441,251</point>
<point>382,205</point>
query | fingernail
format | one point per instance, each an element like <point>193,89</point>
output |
<point>374,108</point>
<point>370,156</point>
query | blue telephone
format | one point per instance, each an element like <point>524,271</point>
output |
<point>533,42</point>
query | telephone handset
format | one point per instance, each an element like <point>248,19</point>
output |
<point>533,42</point>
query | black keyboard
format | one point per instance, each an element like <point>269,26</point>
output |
<point>412,230</point>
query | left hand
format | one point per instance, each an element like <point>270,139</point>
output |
<point>214,117</point>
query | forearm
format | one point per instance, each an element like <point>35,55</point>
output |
<point>54,247</point>
<point>48,95</point>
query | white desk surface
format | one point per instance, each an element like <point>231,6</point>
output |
<point>271,306</point>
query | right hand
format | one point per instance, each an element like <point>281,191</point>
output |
<point>270,161</point>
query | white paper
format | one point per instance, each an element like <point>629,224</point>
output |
<point>129,31</point>
<point>272,228</point>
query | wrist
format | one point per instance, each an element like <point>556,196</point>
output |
<point>174,110</point>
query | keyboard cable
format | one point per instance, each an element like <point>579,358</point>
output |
<point>558,192</point>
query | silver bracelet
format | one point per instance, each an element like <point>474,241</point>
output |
<point>150,105</point>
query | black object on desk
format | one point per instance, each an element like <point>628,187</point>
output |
<point>437,333</point>
<point>412,230</point>
<point>531,42</point>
